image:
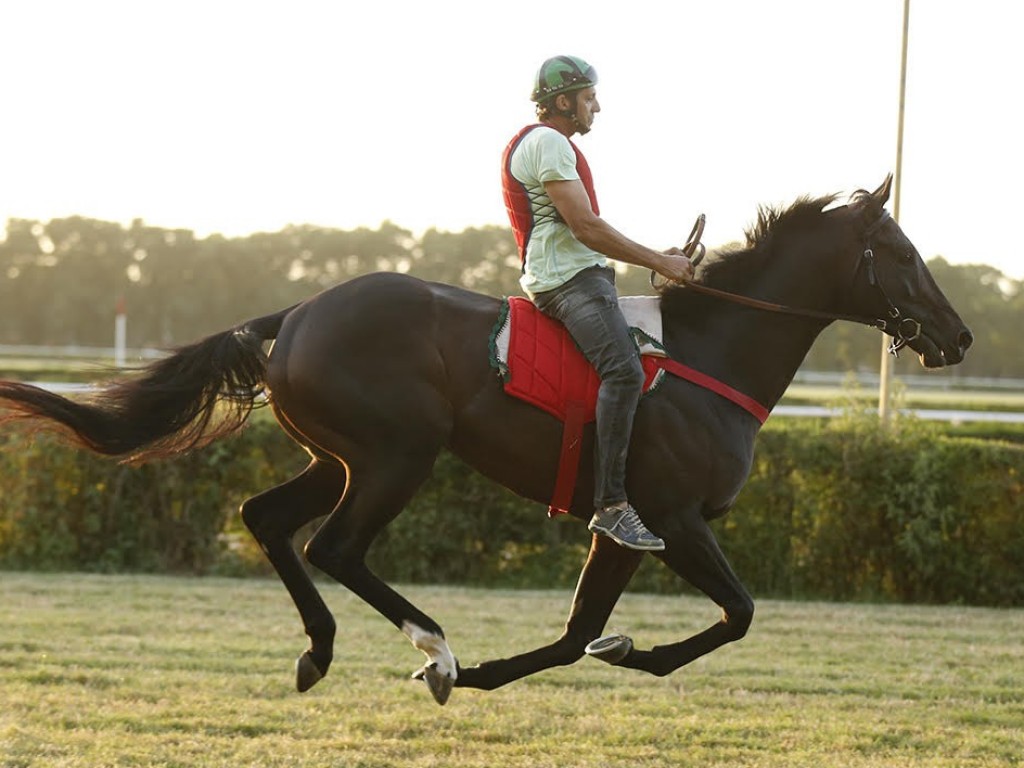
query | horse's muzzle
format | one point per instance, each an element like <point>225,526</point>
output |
<point>934,353</point>
<point>964,340</point>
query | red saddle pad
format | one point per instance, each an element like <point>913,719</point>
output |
<point>546,368</point>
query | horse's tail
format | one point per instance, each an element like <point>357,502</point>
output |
<point>199,393</point>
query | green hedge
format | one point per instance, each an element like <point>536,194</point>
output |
<point>842,509</point>
<point>851,510</point>
<point>67,509</point>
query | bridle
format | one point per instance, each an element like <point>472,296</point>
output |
<point>896,318</point>
<point>903,330</point>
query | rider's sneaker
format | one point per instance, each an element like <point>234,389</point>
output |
<point>623,525</point>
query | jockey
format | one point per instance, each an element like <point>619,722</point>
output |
<point>564,245</point>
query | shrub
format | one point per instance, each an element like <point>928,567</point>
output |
<point>850,509</point>
<point>841,509</point>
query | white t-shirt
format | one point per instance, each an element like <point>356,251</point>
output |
<point>553,254</point>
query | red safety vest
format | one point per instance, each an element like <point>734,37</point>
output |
<point>517,199</point>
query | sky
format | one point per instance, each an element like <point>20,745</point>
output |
<point>237,117</point>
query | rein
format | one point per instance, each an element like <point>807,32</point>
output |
<point>769,306</point>
<point>896,319</point>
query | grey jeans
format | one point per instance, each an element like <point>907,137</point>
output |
<point>589,308</point>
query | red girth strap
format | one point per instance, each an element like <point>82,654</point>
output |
<point>747,403</point>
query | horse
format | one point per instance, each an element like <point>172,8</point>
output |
<point>375,376</point>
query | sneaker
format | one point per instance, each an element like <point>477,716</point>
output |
<point>623,525</point>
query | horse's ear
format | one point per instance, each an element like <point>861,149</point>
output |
<point>881,194</point>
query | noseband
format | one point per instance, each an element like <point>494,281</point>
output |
<point>902,329</point>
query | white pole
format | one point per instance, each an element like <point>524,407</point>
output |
<point>120,333</point>
<point>886,370</point>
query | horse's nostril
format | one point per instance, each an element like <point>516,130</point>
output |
<point>965,339</point>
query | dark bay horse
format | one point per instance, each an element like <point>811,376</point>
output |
<point>375,376</point>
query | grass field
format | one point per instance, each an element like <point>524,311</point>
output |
<point>160,671</point>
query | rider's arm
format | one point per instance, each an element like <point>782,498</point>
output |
<point>573,204</point>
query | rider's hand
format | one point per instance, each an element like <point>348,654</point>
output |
<point>675,266</point>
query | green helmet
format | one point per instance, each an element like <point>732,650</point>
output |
<point>562,74</point>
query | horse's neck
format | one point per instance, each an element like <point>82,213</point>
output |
<point>755,351</point>
<point>772,347</point>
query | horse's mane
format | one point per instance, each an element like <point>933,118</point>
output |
<point>729,269</point>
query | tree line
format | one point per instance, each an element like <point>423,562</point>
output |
<point>61,280</point>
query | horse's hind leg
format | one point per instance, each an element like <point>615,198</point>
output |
<point>273,517</point>
<point>379,488</point>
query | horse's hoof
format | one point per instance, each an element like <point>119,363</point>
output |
<point>307,674</point>
<point>610,648</point>
<point>440,684</point>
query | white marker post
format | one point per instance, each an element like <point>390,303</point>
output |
<point>120,333</point>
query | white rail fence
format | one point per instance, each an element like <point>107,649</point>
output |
<point>799,411</point>
<point>99,355</point>
<point>106,355</point>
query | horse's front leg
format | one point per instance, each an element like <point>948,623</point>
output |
<point>694,554</point>
<point>605,575</point>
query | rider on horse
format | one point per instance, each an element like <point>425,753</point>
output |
<point>564,246</point>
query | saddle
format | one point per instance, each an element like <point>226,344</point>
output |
<point>540,364</point>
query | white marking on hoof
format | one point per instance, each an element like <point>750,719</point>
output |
<point>439,655</point>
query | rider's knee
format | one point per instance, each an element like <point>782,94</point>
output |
<point>636,372</point>
<point>627,373</point>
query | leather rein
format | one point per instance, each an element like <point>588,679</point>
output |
<point>896,321</point>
